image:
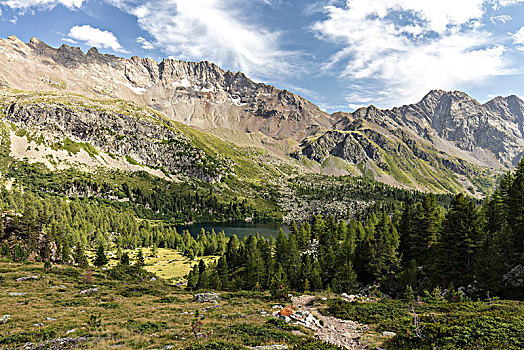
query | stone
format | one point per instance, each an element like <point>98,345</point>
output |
<point>389,334</point>
<point>277,307</point>
<point>167,347</point>
<point>50,319</point>
<point>38,325</point>
<point>270,347</point>
<point>14,294</point>
<point>4,319</point>
<point>515,277</point>
<point>285,318</point>
<point>60,343</point>
<point>89,291</point>
<point>70,331</point>
<point>21,279</point>
<point>206,297</point>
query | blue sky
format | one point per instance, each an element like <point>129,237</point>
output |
<point>339,54</point>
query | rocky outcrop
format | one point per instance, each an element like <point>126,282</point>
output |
<point>196,93</point>
<point>449,131</point>
<point>141,136</point>
<point>446,137</point>
<point>206,297</point>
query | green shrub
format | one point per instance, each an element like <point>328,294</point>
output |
<point>216,345</point>
<point>253,335</point>
<point>36,336</point>
<point>313,344</point>
<point>147,327</point>
<point>169,300</point>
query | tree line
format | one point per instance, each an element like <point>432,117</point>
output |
<point>423,246</point>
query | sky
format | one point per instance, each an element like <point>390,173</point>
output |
<point>340,54</point>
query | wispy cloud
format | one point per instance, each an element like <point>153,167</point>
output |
<point>397,50</point>
<point>518,39</point>
<point>504,3</point>
<point>41,4</point>
<point>500,19</point>
<point>222,31</point>
<point>95,37</point>
<point>147,45</point>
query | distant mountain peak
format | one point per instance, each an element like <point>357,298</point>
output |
<point>200,94</point>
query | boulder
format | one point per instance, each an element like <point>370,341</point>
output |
<point>21,279</point>
<point>389,334</point>
<point>206,297</point>
<point>14,294</point>
<point>270,347</point>
<point>515,277</point>
<point>4,319</point>
<point>89,291</point>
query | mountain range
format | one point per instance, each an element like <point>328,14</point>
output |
<point>180,119</point>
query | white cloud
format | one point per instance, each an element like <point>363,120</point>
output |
<point>147,45</point>
<point>505,3</point>
<point>95,37</point>
<point>501,19</point>
<point>442,46</point>
<point>41,4</point>
<point>518,39</point>
<point>221,31</point>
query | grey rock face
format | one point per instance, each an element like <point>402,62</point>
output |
<point>145,138</point>
<point>196,93</point>
<point>515,277</point>
<point>442,129</point>
<point>206,297</point>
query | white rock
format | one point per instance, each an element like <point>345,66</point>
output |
<point>26,278</point>
<point>389,334</point>
<point>89,291</point>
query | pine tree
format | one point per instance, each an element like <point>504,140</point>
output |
<point>203,276</point>
<point>154,250</point>
<point>345,278</point>
<point>515,217</point>
<point>222,271</point>
<point>100,258</point>
<point>460,240</point>
<point>80,257</point>
<point>316,277</point>
<point>124,259</point>
<point>306,285</point>
<point>140,261</point>
<point>66,252</point>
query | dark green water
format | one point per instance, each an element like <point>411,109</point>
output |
<point>241,229</point>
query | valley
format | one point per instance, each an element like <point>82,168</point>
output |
<point>396,228</point>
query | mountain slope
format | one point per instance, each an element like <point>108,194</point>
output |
<point>197,94</point>
<point>444,142</point>
<point>447,142</point>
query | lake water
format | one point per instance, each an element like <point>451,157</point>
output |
<point>241,229</point>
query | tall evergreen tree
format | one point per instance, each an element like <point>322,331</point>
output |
<point>100,258</point>
<point>460,240</point>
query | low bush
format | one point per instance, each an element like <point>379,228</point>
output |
<point>147,327</point>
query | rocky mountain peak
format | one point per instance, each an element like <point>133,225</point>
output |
<point>199,94</point>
